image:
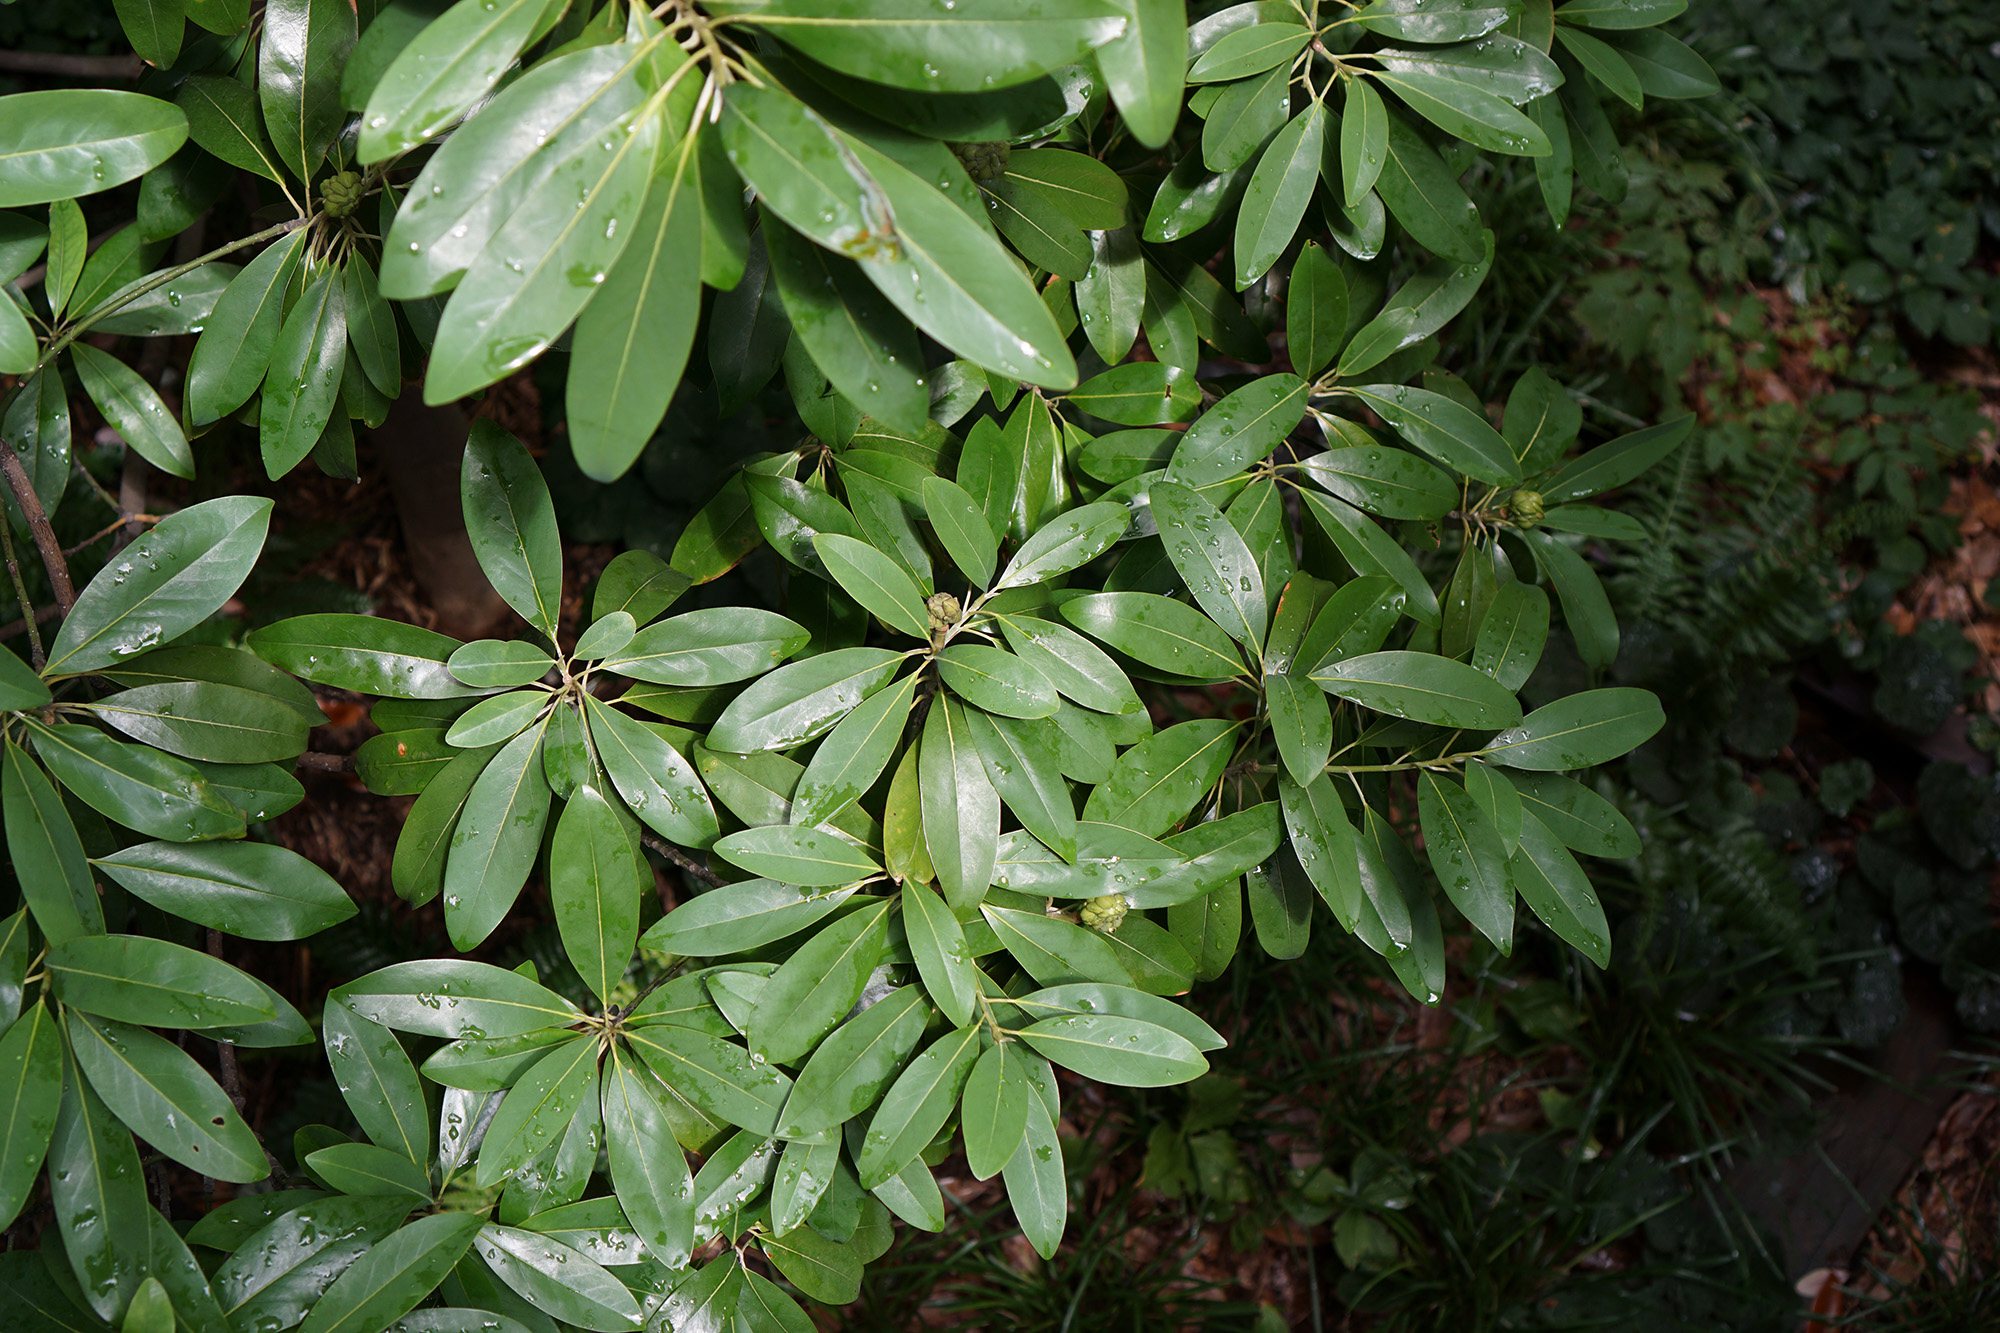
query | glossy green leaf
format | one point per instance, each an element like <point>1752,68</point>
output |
<point>1389,482</point>
<point>961,525</point>
<point>717,1076</point>
<point>1577,816</point>
<point>1620,13</point>
<point>996,680</point>
<point>716,646</point>
<point>47,855</point>
<point>656,782</point>
<point>868,350</point>
<point>1430,20</point>
<point>1465,110</point>
<point>1144,68</point>
<point>65,143</point>
<point>1279,190</point>
<point>496,841</point>
<point>305,45</point>
<point>302,388</point>
<point>1239,430</point>
<point>1421,687</point>
<point>538,1109</point>
<point>648,1169</point>
<point>139,787</point>
<point>1243,119</point>
<point>513,525</point>
<point>453,997</point>
<point>1664,65</point>
<point>854,754</point>
<point>994,1111</point>
<point>937,943</point>
<point>393,1277</point>
<point>157,1090</point>
<point>1139,393</point>
<point>1158,631</point>
<point>175,576</point>
<point>1511,637</point>
<point>363,653</point>
<point>1068,541</point>
<point>1044,234</point>
<point>1422,306</point>
<point>816,987</point>
<point>1301,725</point>
<point>1586,608</point>
<point>362,1168</point>
<point>31,1079</point>
<point>852,1067</point>
<point>99,1192</point>
<point>200,719</point>
<point>961,811</point>
<point>802,700</point>
<point>132,408</point>
<point>874,580</point>
<point>1077,668</point>
<point>1580,731</point>
<point>499,664</point>
<point>1425,197</point>
<point>808,857</point>
<point>1158,781</point>
<point>1214,562</point>
<point>250,889</point>
<point>917,1106</point>
<point>444,70</point>
<point>138,979</point>
<point>235,347</point>
<point>1468,856</point>
<point>1612,465</point>
<point>597,878</point>
<point>638,583</point>
<point>1113,1049</point>
<point>1447,430</point>
<point>1315,310</point>
<point>1556,890</point>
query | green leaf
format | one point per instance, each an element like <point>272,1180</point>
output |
<point>597,878</point>
<point>1076,667</point>
<point>1192,197</point>
<point>513,525</point>
<point>1139,393</point>
<point>801,701</point>
<point>500,718</point>
<point>66,143</point>
<point>1158,631</point>
<point>853,755</point>
<point>1621,13</point>
<point>715,646</point>
<point>1498,798</point>
<point>937,943</point>
<point>503,156</point>
<point>995,680</point>
<point>1577,816</point>
<point>738,918</point>
<point>1280,188</point>
<point>69,242</point>
<point>1580,731</point>
<point>1113,1049</point>
<point>1088,192</point>
<point>363,653</point>
<point>139,979</point>
<point>378,1082</point>
<point>1556,890</point>
<point>279,1272</point>
<point>201,719</point>
<point>852,1067</point>
<point>1422,306</point>
<point>961,811</point>
<point>305,45</point>
<point>1035,226</point>
<point>1500,64</point>
<point>47,855</point>
<point>931,47</point>
<point>1035,1184</point>
<point>99,1192</point>
<point>224,119</point>
<point>804,172</point>
<point>499,664</point>
<point>1315,310</point>
<point>765,1308</point>
<point>717,1076</point>
<point>821,1268</point>
<point>371,328</point>
<point>392,1277</point>
<point>994,1111</point>
<point>1612,465</point>
<point>1301,725</point>
<point>1586,609</point>
<point>1021,763</point>
<point>161,1093</point>
<point>496,841</point>
<point>1425,196</point>
<point>1430,20</point>
<point>1444,428</point>
<point>444,71</point>
<point>1239,430</point>
<point>303,385</point>
<point>1465,110</point>
<point>455,998</point>
<point>1604,63</point>
<point>1468,856</point>
<point>1390,482</point>
<point>1157,782</point>
<point>363,1168</point>
<point>1213,560</point>
<point>1324,843</point>
<point>816,986</point>
<point>544,263</point>
<point>853,335</point>
<point>639,584</point>
<point>1144,68</point>
<point>140,788</point>
<point>962,527</point>
<point>37,424</point>
<point>875,581</point>
<point>916,1106</point>
<point>655,780</point>
<point>1510,639</point>
<point>648,1169</point>
<point>236,344</point>
<point>31,1079</point>
<point>169,580</point>
<point>1664,65</point>
<point>1251,50</point>
<point>1068,541</point>
<point>952,280</point>
<point>1421,687</point>
<point>538,1109</point>
<point>249,889</point>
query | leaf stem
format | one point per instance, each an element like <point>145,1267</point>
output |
<point>38,524</point>
<point>36,657</point>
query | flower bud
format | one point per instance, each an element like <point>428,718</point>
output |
<point>1525,508</point>
<point>943,608</point>
<point>983,161</point>
<point>1105,913</point>
<point>341,193</point>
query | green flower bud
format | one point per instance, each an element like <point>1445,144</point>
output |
<point>341,193</point>
<point>1105,913</point>
<point>1525,508</point>
<point>983,161</point>
<point>943,608</point>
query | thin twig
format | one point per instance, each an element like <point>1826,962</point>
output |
<point>232,1075</point>
<point>38,523</point>
<point>326,763</point>
<point>71,67</point>
<point>36,657</point>
<point>681,859</point>
<point>104,532</point>
<point>43,616</point>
